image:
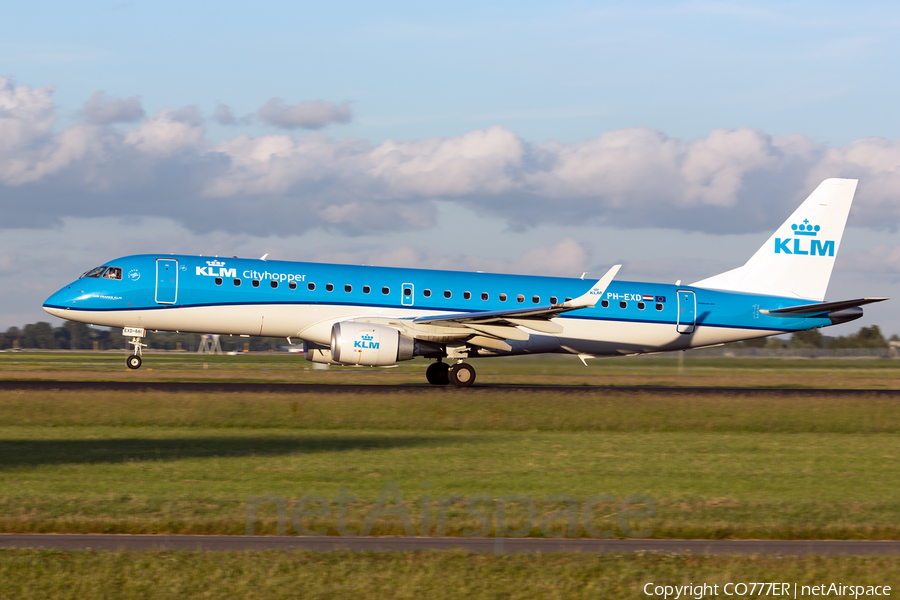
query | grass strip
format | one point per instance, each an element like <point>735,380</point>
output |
<point>273,575</point>
<point>197,480</point>
<point>456,410</point>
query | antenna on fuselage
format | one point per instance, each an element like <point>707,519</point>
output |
<point>263,257</point>
<point>583,274</point>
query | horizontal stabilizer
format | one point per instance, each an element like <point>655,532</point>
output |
<point>820,308</point>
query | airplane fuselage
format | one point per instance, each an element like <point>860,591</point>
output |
<point>304,300</point>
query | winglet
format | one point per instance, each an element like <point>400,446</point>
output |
<point>594,294</point>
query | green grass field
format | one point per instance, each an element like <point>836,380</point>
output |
<point>273,575</point>
<point>716,467</point>
<point>722,466</point>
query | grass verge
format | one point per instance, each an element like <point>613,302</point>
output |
<point>273,575</point>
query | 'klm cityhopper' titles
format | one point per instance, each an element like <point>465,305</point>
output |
<point>215,268</point>
<point>813,248</point>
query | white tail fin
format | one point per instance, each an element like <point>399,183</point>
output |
<point>798,258</point>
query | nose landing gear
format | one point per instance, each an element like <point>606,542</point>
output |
<point>134,361</point>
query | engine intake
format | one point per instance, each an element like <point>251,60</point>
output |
<point>369,344</point>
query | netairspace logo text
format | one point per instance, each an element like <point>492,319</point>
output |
<point>759,589</point>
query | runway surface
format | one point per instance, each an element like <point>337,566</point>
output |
<point>479,545</point>
<point>319,388</point>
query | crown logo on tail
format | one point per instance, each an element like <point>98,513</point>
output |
<point>805,228</point>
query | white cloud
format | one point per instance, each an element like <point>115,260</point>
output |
<point>223,115</point>
<point>880,258</point>
<point>566,258</point>
<point>103,110</point>
<point>311,114</point>
<point>731,181</point>
<point>26,114</point>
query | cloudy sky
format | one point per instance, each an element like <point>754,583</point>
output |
<point>518,137</point>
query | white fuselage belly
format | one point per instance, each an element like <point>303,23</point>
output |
<point>313,323</point>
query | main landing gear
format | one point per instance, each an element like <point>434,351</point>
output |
<point>134,361</point>
<point>459,375</point>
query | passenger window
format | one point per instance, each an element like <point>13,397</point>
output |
<point>218,281</point>
<point>385,290</point>
<point>484,296</point>
<point>329,287</point>
<point>623,304</point>
<point>366,289</point>
<point>274,284</point>
<point>659,306</point>
<point>502,297</point>
<point>568,299</point>
<point>113,273</point>
<point>293,285</point>
<point>256,283</point>
<point>536,299</point>
<point>520,298</point>
<point>466,295</point>
<point>407,291</point>
<point>447,293</point>
<point>237,283</point>
<point>553,299</point>
<point>641,305</point>
<point>426,293</point>
<point>348,288</point>
<point>310,286</point>
<point>604,303</point>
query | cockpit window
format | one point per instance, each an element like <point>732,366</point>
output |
<point>113,273</point>
<point>95,272</point>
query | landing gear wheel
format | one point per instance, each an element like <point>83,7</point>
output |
<point>462,375</point>
<point>133,362</point>
<point>436,373</point>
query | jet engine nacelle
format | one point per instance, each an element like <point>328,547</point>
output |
<point>369,344</point>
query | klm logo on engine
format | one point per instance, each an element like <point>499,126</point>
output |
<point>805,242</point>
<point>366,342</point>
<point>215,268</point>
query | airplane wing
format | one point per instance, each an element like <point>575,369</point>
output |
<point>535,317</point>
<point>819,308</point>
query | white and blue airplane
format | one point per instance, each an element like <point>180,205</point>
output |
<point>378,316</point>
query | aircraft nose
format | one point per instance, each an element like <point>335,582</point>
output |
<point>56,303</point>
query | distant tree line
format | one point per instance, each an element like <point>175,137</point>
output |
<point>78,336</point>
<point>866,337</point>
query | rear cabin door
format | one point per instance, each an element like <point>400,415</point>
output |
<point>687,309</point>
<point>408,297</point>
<point>166,280</point>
